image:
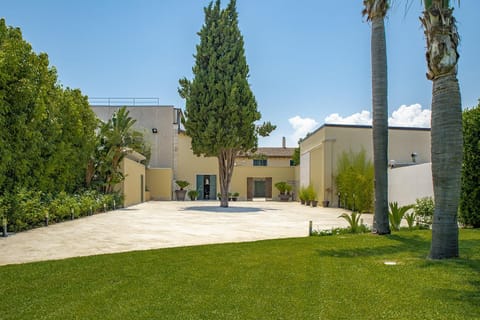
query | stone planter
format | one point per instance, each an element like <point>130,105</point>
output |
<point>325,203</point>
<point>180,195</point>
<point>284,197</point>
<point>314,203</point>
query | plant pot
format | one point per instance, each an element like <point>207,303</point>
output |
<point>307,202</point>
<point>302,201</point>
<point>180,195</point>
<point>284,197</point>
<point>314,203</point>
<point>325,203</point>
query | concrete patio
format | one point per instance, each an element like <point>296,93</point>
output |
<point>154,225</point>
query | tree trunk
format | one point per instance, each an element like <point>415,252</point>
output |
<point>380,124</point>
<point>447,151</point>
<point>447,136</point>
<point>226,162</point>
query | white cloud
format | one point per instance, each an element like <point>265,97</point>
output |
<point>404,116</point>
<point>363,117</point>
<point>302,126</point>
<point>410,116</point>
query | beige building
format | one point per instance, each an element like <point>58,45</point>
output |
<point>320,151</point>
<point>255,175</point>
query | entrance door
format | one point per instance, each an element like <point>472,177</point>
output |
<point>206,187</point>
<point>259,189</point>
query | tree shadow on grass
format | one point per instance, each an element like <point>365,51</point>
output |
<point>413,245</point>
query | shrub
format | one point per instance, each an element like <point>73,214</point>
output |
<point>469,213</point>
<point>182,184</point>
<point>192,194</point>
<point>310,193</point>
<point>396,214</point>
<point>354,181</point>
<point>410,218</point>
<point>354,221</point>
<point>283,187</point>
<point>424,209</point>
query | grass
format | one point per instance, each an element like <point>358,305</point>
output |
<point>339,277</point>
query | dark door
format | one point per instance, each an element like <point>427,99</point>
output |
<point>259,189</point>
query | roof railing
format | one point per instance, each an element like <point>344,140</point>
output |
<point>126,101</point>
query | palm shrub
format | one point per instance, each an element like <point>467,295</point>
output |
<point>193,194</point>
<point>353,220</point>
<point>410,217</point>
<point>182,184</point>
<point>396,214</point>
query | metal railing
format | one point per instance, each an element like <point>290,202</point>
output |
<point>130,102</point>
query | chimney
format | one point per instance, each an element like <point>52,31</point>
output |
<point>284,143</point>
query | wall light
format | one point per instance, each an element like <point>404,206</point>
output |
<point>154,130</point>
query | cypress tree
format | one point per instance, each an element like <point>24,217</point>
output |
<point>221,109</point>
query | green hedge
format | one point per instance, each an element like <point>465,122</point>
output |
<point>27,209</point>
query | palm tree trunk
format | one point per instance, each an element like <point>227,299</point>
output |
<point>447,136</point>
<point>380,124</point>
<point>447,150</point>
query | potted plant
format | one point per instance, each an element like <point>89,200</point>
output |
<point>302,195</point>
<point>325,201</point>
<point>235,196</point>
<point>311,196</point>
<point>192,194</point>
<point>284,189</point>
<point>180,194</point>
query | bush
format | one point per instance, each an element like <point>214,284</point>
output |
<point>310,194</point>
<point>354,221</point>
<point>469,213</point>
<point>192,194</point>
<point>424,209</point>
<point>354,181</point>
<point>396,214</point>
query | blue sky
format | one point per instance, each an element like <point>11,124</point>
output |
<point>309,60</point>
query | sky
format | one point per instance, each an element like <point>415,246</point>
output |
<point>309,60</point>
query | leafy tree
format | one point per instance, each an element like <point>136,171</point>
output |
<point>446,143</point>
<point>115,139</point>
<point>46,131</point>
<point>470,195</point>
<point>375,11</point>
<point>221,110</point>
<point>355,180</point>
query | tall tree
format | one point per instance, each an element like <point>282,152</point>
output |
<point>446,146</point>
<point>221,110</point>
<point>470,196</point>
<point>375,11</point>
<point>45,130</point>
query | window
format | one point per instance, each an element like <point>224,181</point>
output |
<point>292,163</point>
<point>260,162</point>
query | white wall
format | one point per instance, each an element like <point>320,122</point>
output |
<point>406,184</point>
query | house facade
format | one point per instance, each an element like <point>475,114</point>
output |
<point>255,175</point>
<point>172,159</point>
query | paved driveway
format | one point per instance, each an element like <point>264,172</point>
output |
<point>163,224</point>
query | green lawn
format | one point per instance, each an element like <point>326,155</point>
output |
<point>334,277</point>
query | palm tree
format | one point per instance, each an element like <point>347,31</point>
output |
<point>447,140</point>
<point>375,11</point>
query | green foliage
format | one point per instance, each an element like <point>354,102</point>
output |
<point>469,213</point>
<point>339,231</point>
<point>424,209</point>
<point>182,184</point>
<point>396,214</point>
<point>296,156</point>
<point>310,193</point>
<point>283,187</point>
<point>47,131</point>
<point>354,221</point>
<point>220,109</point>
<point>410,217</point>
<point>192,194</point>
<point>302,194</point>
<point>355,181</point>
